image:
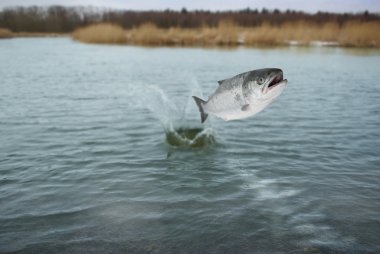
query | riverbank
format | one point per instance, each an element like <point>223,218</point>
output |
<point>5,33</point>
<point>8,34</point>
<point>227,33</point>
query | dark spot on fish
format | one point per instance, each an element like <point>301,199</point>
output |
<point>245,107</point>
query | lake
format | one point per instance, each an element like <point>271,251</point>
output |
<point>102,151</point>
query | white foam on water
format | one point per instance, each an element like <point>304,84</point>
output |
<point>276,197</point>
<point>275,194</point>
<point>269,188</point>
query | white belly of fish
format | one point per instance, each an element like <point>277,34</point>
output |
<point>238,113</point>
<point>231,105</point>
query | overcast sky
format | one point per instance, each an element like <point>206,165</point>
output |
<point>304,5</point>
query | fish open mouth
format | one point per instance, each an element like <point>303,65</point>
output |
<point>275,81</point>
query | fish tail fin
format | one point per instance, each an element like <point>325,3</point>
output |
<point>200,104</point>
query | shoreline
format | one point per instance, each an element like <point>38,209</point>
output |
<point>38,35</point>
<point>227,33</point>
<point>238,44</point>
<point>199,28</point>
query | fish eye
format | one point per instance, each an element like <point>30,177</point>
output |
<point>260,81</point>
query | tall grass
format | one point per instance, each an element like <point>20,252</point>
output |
<point>360,34</point>
<point>35,34</point>
<point>301,32</point>
<point>101,33</point>
<point>228,33</point>
<point>150,35</point>
<point>5,33</point>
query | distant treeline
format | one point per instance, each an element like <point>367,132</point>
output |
<point>59,19</point>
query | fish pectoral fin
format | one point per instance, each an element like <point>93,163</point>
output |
<point>245,107</point>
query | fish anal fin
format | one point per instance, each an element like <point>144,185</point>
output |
<point>245,107</point>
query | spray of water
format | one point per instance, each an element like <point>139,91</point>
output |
<point>178,116</point>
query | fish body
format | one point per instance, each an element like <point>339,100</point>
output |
<point>243,95</point>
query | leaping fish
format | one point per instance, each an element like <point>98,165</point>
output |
<point>243,95</point>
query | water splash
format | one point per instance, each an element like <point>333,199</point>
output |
<point>180,121</point>
<point>190,137</point>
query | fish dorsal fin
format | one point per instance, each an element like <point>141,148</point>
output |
<point>231,79</point>
<point>221,81</point>
<point>224,80</point>
<point>239,76</point>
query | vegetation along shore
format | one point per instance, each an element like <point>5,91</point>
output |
<point>196,28</point>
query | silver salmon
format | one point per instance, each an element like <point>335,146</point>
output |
<point>243,95</point>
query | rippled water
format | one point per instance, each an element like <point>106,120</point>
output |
<point>102,151</point>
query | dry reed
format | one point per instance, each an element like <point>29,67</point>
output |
<point>300,32</point>
<point>5,33</point>
<point>360,34</point>
<point>38,34</point>
<point>101,33</point>
<point>227,33</point>
<point>150,35</point>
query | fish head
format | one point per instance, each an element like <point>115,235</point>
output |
<point>264,84</point>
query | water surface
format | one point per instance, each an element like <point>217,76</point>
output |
<point>90,161</point>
